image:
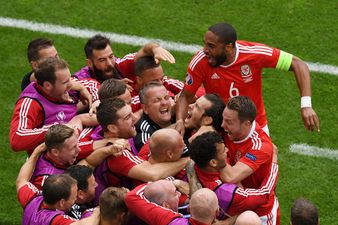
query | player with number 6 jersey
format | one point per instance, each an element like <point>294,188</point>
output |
<point>229,68</point>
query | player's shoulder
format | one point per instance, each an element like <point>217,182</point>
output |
<point>247,47</point>
<point>198,60</point>
<point>128,57</point>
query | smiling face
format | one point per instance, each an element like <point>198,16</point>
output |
<point>102,63</point>
<point>157,105</point>
<point>125,123</point>
<point>196,112</point>
<point>235,128</point>
<point>69,150</point>
<point>59,90</point>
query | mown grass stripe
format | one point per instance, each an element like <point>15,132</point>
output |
<point>128,39</point>
<point>304,149</point>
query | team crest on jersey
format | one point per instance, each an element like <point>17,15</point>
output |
<point>61,116</point>
<point>238,156</point>
<point>188,79</point>
<point>246,73</point>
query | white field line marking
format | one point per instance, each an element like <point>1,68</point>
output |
<point>304,149</point>
<point>128,39</point>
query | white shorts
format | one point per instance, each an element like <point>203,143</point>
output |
<point>271,218</point>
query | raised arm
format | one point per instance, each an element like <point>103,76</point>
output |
<point>28,167</point>
<point>194,183</point>
<point>302,75</point>
<point>159,53</point>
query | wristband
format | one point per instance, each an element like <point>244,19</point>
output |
<point>305,101</point>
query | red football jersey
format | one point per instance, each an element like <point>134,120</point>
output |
<point>242,77</point>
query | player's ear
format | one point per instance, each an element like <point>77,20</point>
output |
<point>47,85</point>
<point>165,205</point>
<point>89,63</point>
<point>34,64</point>
<point>112,128</point>
<point>54,151</point>
<point>213,163</point>
<point>206,120</point>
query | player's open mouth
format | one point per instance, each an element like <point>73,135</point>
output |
<point>164,111</point>
<point>189,114</point>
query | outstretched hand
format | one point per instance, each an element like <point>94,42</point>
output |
<point>310,119</point>
<point>160,54</point>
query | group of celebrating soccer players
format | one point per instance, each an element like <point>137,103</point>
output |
<point>147,148</point>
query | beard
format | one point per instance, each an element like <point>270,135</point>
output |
<point>101,75</point>
<point>219,60</point>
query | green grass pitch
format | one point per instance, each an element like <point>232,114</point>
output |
<point>306,28</point>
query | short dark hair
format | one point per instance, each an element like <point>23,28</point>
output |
<point>244,106</point>
<point>56,135</point>
<point>97,42</point>
<point>47,68</point>
<point>112,88</point>
<point>35,46</point>
<point>203,148</point>
<point>225,33</point>
<point>144,63</point>
<point>107,111</point>
<point>304,212</point>
<point>112,203</point>
<point>57,187</point>
<point>80,173</point>
<point>145,89</point>
<point>216,110</point>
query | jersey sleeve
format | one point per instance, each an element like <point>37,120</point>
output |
<point>149,212</point>
<point>26,130</point>
<point>194,76</point>
<point>123,163</point>
<point>266,55</point>
<point>173,85</point>
<point>126,66</point>
<point>26,193</point>
<point>254,158</point>
<point>250,199</point>
<point>145,151</point>
<point>63,220</point>
<point>91,85</point>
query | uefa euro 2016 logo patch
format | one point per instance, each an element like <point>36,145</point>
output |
<point>188,79</point>
<point>246,73</point>
<point>250,156</point>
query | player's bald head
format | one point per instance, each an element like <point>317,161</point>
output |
<point>225,33</point>
<point>164,140</point>
<point>203,205</point>
<point>156,191</point>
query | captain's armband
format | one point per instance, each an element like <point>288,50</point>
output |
<point>284,61</point>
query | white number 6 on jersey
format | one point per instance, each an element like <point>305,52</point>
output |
<point>233,92</point>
